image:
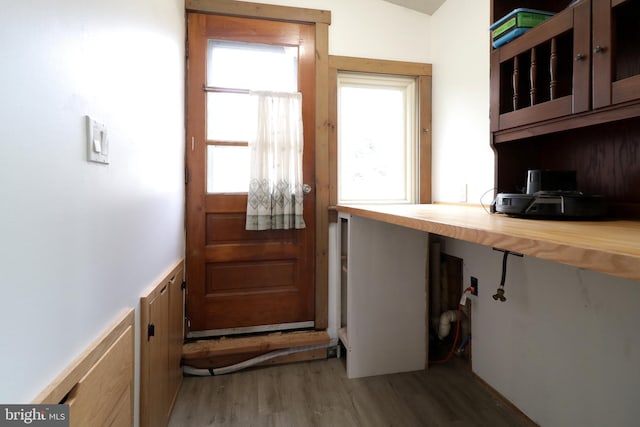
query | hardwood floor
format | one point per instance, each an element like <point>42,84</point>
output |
<point>318,393</point>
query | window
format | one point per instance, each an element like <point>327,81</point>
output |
<point>233,69</point>
<point>404,169</point>
<point>377,139</point>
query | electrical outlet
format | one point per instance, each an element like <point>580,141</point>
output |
<point>474,285</point>
<point>462,193</point>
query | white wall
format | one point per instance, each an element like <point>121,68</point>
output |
<point>455,40</point>
<point>372,28</point>
<point>564,347</point>
<point>81,241</point>
<point>462,154</point>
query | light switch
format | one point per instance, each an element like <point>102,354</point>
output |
<point>97,142</point>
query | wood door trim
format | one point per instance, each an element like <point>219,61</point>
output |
<point>259,10</point>
<point>323,160</point>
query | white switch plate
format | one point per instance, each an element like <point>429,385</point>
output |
<point>97,142</point>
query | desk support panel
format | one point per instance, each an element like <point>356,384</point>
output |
<point>386,298</point>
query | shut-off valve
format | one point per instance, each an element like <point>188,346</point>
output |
<point>499,295</point>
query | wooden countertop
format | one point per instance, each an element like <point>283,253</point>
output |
<point>611,247</point>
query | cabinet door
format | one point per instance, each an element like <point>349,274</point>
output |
<point>544,74</point>
<point>159,362</point>
<point>161,321</point>
<point>616,52</point>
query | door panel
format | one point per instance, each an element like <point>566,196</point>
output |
<point>238,278</point>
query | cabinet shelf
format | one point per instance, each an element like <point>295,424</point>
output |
<point>610,114</point>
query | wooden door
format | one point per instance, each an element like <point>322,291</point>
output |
<point>242,281</point>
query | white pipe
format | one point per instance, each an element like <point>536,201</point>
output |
<point>445,323</point>
<point>189,370</point>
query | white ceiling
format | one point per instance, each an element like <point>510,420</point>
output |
<point>424,6</point>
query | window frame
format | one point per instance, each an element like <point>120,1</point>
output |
<point>422,72</point>
<point>408,87</point>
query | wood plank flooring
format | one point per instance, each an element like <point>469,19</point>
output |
<point>318,393</point>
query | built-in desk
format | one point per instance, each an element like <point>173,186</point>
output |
<point>386,270</point>
<point>611,247</point>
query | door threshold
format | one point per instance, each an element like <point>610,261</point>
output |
<point>250,329</point>
<point>227,352</point>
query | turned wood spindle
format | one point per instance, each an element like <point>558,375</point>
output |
<point>516,82</point>
<point>553,68</point>
<point>532,76</point>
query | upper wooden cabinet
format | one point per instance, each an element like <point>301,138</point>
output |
<point>583,59</point>
<point>543,74</point>
<point>566,96</point>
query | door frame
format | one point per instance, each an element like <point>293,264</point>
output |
<point>322,20</point>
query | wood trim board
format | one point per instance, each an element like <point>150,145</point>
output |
<point>322,184</point>
<point>424,85</point>
<point>258,344</point>
<point>382,66</point>
<point>259,10</point>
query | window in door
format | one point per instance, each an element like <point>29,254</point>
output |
<point>231,74</point>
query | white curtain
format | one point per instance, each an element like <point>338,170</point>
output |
<point>275,186</point>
